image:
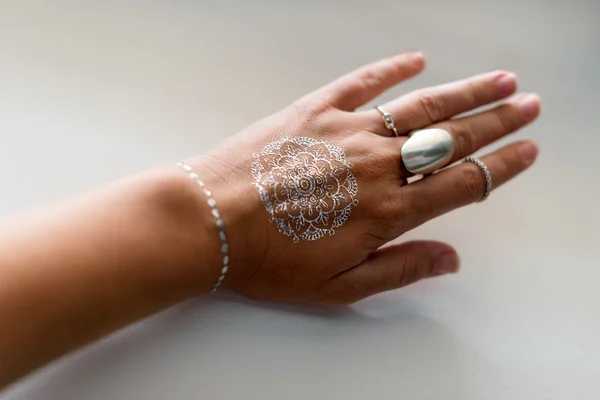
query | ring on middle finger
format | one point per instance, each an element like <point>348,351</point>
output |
<point>427,150</point>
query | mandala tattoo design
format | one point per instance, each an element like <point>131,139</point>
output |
<point>306,186</point>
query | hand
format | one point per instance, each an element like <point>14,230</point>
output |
<point>310,195</point>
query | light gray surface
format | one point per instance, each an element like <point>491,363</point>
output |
<point>90,93</point>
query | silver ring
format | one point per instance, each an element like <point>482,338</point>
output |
<point>427,150</point>
<point>388,119</point>
<point>488,176</point>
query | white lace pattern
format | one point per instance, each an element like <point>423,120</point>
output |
<point>306,186</point>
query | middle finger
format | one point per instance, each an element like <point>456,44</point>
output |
<point>477,131</point>
<point>473,132</point>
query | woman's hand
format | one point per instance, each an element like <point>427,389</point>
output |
<point>311,194</point>
<point>308,198</point>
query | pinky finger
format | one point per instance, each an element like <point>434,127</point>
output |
<point>465,183</point>
<point>393,267</point>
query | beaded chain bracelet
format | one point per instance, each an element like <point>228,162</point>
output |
<point>218,221</point>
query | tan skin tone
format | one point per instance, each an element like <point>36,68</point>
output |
<point>72,273</point>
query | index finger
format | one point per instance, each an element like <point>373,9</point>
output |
<point>366,83</point>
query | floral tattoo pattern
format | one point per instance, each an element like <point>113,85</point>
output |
<point>306,186</point>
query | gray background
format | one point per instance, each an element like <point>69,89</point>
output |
<point>90,91</point>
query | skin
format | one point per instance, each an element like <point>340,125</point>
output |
<point>82,269</point>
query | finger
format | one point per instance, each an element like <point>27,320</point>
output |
<point>462,184</point>
<point>361,86</point>
<point>394,267</point>
<point>474,132</point>
<point>428,106</point>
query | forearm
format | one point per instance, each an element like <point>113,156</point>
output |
<point>73,273</point>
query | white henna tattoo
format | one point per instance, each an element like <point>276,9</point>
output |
<point>306,186</point>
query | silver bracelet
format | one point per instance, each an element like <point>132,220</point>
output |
<point>218,221</point>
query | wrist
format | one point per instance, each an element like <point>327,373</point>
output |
<point>189,230</point>
<point>242,216</point>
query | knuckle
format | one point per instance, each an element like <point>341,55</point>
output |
<point>371,78</point>
<point>432,106</point>
<point>507,120</point>
<point>505,167</point>
<point>472,181</point>
<point>408,271</point>
<point>309,110</point>
<point>464,140</point>
<point>474,93</point>
<point>387,215</point>
<point>395,212</point>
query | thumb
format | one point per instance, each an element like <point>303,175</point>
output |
<point>396,266</point>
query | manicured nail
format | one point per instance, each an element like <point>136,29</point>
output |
<point>445,263</point>
<point>530,106</point>
<point>528,151</point>
<point>507,84</point>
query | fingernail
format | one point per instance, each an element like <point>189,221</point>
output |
<point>528,151</point>
<point>445,264</point>
<point>417,58</point>
<point>530,106</point>
<point>507,84</point>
